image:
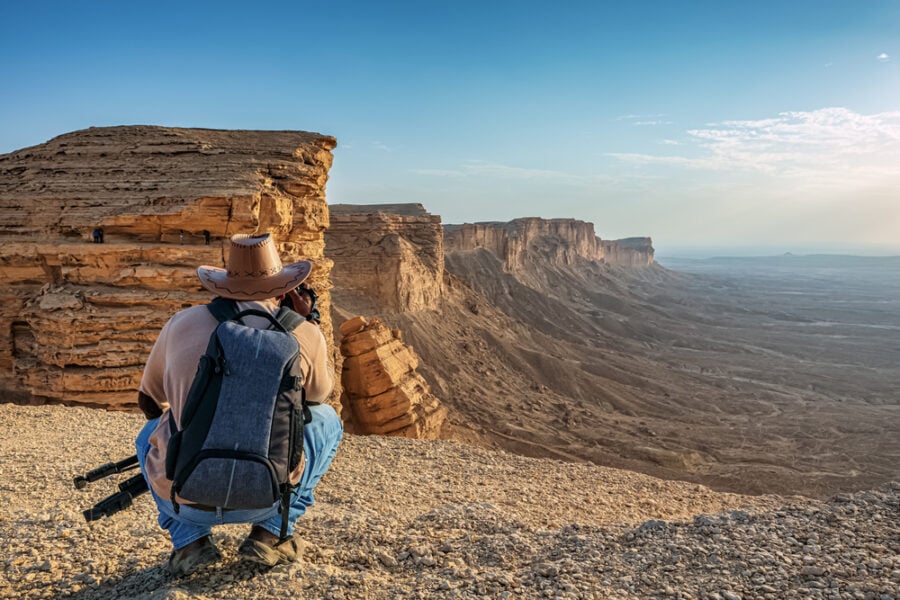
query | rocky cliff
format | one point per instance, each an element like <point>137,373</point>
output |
<point>391,254</point>
<point>382,392</point>
<point>628,252</point>
<point>79,318</point>
<point>561,241</point>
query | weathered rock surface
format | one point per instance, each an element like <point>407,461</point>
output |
<point>628,252</point>
<point>382,392</point>
<point>79,318</point>
<point>561,241</point>
<point>393,254</point>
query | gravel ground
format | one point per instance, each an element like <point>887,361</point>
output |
<point>422,519</point>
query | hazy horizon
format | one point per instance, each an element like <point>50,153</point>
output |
<point>762,251</point>
<point>706,126</point>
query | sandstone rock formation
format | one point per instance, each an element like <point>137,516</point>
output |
<point>628,252</point>
<point>393,254</point>
<point>78,318</point>
<point>561,241</point>
<point>382,393</point>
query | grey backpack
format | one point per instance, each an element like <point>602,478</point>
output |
<point>242,424</point>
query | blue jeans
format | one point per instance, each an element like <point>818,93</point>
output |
<point>320,442</point>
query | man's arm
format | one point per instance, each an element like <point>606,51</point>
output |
<point>148,406</point>
<point>152,392</point>
<point>319,379</point>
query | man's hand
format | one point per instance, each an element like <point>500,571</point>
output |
<point>301,301</point>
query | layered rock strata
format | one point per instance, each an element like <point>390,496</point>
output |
<point>79,318</point>
<point>382,392</point>
<point>628,252</point>
<point>393,254</point>
<point>561,241</point>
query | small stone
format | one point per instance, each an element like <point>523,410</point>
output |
<point>815,583</point>
<point>728,595</point>
<point>546,570</point>
<point>652,525</point>
<point>387,560</point>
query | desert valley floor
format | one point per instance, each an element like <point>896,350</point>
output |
<point>757,375</point>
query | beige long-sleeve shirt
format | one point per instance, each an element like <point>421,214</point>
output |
<point>173,363</point>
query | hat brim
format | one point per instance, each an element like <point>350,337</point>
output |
<point>217,281</point>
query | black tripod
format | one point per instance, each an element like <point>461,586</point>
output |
<point>128,490</point>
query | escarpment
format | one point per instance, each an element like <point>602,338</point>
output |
<point>387,259</point>
<point>628,252</point>
<point>558,241</point>
<point>79,318</point>
<point>392,255</point>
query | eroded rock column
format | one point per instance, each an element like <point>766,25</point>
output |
<point>382,392</point>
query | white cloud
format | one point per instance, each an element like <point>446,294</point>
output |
<point>829,145</point>
<point>438,172</point>
<point>482,168</point>
<point>641,117</point>
<point>883,57</point>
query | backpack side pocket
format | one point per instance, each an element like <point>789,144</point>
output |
<point>296,452</point>
<point>172,451</point>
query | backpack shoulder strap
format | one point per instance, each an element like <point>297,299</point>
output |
<point>223,309</point>
<point>289,319</point>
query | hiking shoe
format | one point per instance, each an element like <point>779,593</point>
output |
<point>188,559</point>
<point>264,548</point>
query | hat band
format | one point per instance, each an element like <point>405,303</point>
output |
<point>254,274</point>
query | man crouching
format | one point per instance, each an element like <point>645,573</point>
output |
<point>255,280</point>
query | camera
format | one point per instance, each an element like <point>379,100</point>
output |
<point>313,314</point>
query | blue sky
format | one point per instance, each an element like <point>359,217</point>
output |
<point>710,126</point>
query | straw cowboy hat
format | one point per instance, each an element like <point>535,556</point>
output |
<point>253,270</point>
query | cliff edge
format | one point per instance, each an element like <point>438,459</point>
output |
<point>80,317</point>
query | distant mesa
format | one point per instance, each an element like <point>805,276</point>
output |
<point>560,241</point>
<point>390,257</point>
<point>397,210</point>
